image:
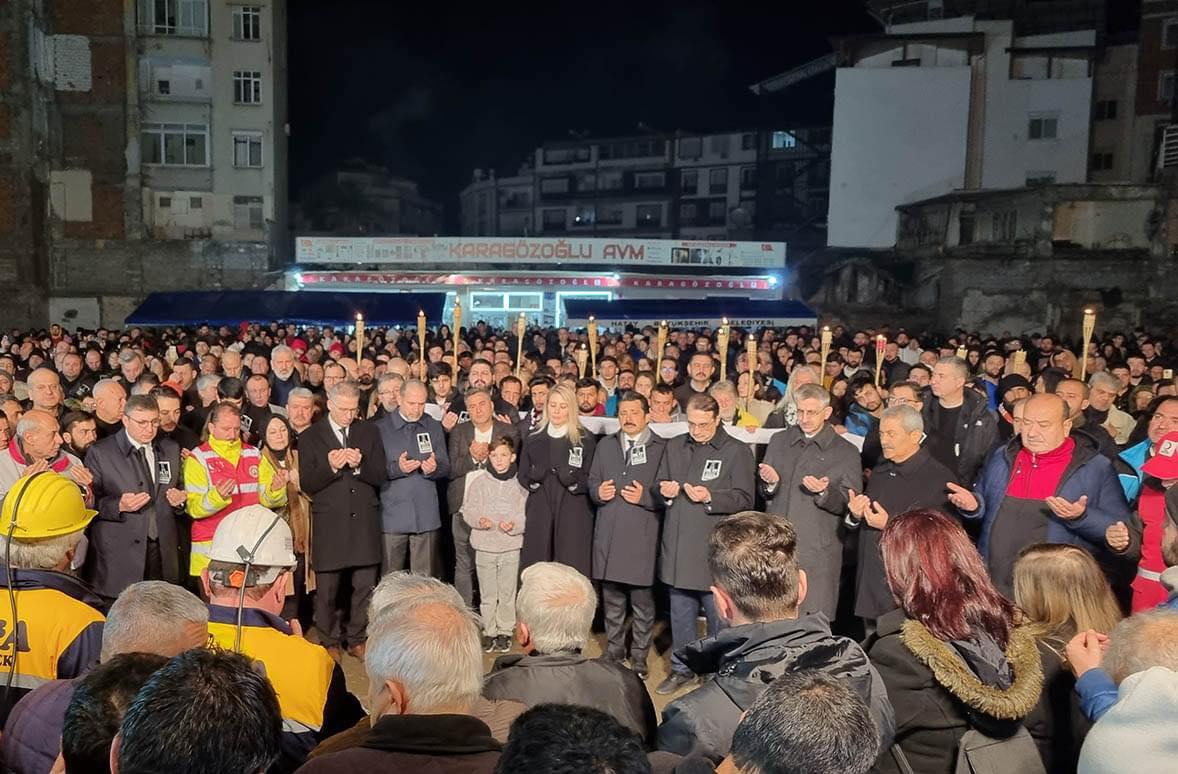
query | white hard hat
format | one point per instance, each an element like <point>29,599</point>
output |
<point>254,525</point>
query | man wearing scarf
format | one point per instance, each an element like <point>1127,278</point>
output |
<point>36,446</point>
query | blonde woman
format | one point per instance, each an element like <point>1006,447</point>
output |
<point>554,468</point>
<point>1061,590</point>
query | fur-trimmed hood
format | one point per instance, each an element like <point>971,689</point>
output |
<point>954,675</point>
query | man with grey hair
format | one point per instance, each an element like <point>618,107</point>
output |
<point>1128,684</point>
<point>388,394</point>
<point>805,476</point>
<point>1102,410</point>
<point>554,612</point>
<point>206,390</point>
<point>284,377</point>
<point>415,447</point>
<point>148,617</point>
<point>131,367</point>
<point>907,478</point>
<point>300,409</point>
<point>960,427</point>
<point>342,465</point>
<point>425,666</point>
<point>37,446</point>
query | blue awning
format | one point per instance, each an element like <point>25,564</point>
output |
<point>689,312</point>
<point>231,307</point>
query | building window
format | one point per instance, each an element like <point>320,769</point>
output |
<point>689,182</point>
<point>691,147</point>
<point>583,216</point>
<point>566,155</point>
<point>717,212</point>
<point>247,22</point>
<point>1043,128</point>
<point>189,18</point>
<point>1166,87</point>
<point>718,180</point>
<point>647,181</point>
<point>196,203</point>
<point>783,140</point>
<point>586,182</point>
<point>554,185</point>
<point>163,87</point>
<point>632,149</point>
<point>1102,162</point>
<point>1105,110</point>
<point>748,141</point>
<point>609,215</point>
<point>247,87</point>
<point>649,215</point>
<point>1170,33</point>
<point>687,213</point>
<point>1004,226</point>
<point>966,226</point>
<point>175,145</point>
<point>748,177</point>
<point>554,220</point>
<point>610,181</point>
<point>247,149</point>
<point>247,213</point>
<point>165,202</point>
<point>1041,177</point>
<point>515,200</point>
<point>719,145</point>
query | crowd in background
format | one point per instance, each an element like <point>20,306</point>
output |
<point>878,552</point>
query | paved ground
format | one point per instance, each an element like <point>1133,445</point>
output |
<point>657,663</point>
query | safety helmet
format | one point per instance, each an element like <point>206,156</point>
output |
<point>259,530</point>
<point>50,505</point>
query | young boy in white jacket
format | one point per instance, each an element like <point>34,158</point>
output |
<point>494,509</point>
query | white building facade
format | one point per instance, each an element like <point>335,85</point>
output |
<point>211,109</point>
<point>927,108</point>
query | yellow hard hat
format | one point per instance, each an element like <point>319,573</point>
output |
<point>50,506</point>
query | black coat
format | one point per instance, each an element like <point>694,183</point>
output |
<point>934,709</point>
<point>745,660</point>
<point>1057,724</point>
<point>918,482</point>
<point>626,536</point>
<point>683,552</point>
<point>975,435</point>
<point>118,540</point>
<point>345,508</point>
<point>559,515</point>
<point>570,678</point>
<point>817,519</point>
<point>462,464</point>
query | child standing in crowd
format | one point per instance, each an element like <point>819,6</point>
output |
<point>494,509</point>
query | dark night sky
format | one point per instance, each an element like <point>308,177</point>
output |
<point>434,90</point>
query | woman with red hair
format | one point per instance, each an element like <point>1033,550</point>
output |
<point>952,657</point>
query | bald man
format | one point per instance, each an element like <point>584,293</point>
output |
<point>109,398</point>
<point>1043,487</point>
<point>36,447</point>
<point>45,391</point>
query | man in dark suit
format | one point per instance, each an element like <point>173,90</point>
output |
<point>470,443</point>
<point>138,495</point>
<point>342,466</point>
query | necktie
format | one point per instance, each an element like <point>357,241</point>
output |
<point>343,434</point>
<point>149,481</point>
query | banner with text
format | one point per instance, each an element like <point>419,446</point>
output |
<point>545,251</point>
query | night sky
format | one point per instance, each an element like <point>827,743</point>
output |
<point>434,90</point>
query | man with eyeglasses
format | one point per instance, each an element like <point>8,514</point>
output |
<point>807,472</point>
<point>138,496</point>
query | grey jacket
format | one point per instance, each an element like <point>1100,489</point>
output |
<point>683,552</point>
<point>744,660</point>
<point>626,536</point>
<point>817,519</point>
<point>461,463</point>
<point>570,678</point>
<point>409,502</point>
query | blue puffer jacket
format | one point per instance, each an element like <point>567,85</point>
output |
<point>1134,457</point>
<point>1089,473</point>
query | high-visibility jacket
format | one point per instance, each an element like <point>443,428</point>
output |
<point>59,635</point>
<point>312,695</point>
<point>211,463</point>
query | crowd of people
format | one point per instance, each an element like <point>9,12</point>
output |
<point>879,552</point>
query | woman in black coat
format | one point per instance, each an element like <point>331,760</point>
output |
<point>951,657</point>
<point>554,468</point>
